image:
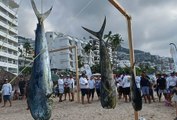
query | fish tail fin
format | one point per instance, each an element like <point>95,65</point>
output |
<point>97,34</point>
<point>43,16</point>
<point>91,32</point>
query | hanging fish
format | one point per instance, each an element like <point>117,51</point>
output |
<point>40,84</point>
<point>135,93</point>
<point>108,92</point>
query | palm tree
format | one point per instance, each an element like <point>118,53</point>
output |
<point>113,40</point>
<point>27,46</point>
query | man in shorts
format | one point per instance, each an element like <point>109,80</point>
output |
<point>71,86</point>
<point>84,87</point>
<point>7,91</point>
<point>60,87</point>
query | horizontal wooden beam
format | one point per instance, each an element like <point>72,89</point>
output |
<point>60,49</point>
<point>120,8</point>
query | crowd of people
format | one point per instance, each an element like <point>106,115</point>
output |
<point>161,84</point>
<point>88,86</point>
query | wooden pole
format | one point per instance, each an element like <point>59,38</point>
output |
<point>76,66</point>
<point>132,57</point>
<point>77,76</point>
<point>120,8</point>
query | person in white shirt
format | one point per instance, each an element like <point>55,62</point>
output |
<point>84,87</point>
<point>171,81</point>
<point>119,81</point>
<point>72,86</point>
<point>60,87</point>
<point>137,80</point>
<point>171,84</point>
<point>126,87</point>
<point>91,83</point>
<point>6,92</point>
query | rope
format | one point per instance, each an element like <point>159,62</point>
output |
<point>42,51</point>
<point>84,8</point>
<point>79,13</point>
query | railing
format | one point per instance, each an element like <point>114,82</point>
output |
<point>14,21</point>
<point>6,35</point>
<point>8,9</point>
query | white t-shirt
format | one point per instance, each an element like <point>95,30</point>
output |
<point>71,83</point>
<point>60,84</point>
<point>7,89</point>
<point>66,82</point>
<point>171,81</point>
<point>83,83</point>
<point>137,80</point>
<point>91,84</point>
<point>126,81</point>
<point>120,81</point>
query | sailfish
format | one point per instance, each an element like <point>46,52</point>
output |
<point>40,83</point>
<point>108,92</point>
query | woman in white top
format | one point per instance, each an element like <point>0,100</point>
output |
<point>91,82</point>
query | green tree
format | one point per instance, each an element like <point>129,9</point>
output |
<point>27,47</point>
<point>114,40</point>
<point>80,63</point>
<point>96,68</point>
<point>88,47</point>
<point>26,71</point>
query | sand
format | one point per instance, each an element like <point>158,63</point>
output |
<point>67,110</point>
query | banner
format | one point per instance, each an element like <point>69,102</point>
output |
<point>173,51</point>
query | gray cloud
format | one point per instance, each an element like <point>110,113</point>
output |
<point>153,21</point>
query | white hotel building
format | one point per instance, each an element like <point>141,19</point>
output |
<point>64,60</point>
<point>8,33</point>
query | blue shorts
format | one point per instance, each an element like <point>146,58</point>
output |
<point>145,90</point>
<point>6,97</point>
<point>84,92</point>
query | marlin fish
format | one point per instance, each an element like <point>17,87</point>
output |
<point>40,84</point>
<point>135,93</point>
<point>108,91</point>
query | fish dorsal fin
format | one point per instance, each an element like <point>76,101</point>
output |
<point>43,16</point>
<point>99,34</point>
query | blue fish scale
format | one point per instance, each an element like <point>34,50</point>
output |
<point>39,86</point>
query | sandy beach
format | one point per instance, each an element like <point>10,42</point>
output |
<point>67,110</point>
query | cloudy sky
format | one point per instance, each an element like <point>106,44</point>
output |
<point>154,22</point>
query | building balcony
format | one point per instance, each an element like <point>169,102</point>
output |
<point>12,21</point>
<point>7,27</point>
<point>8,65</point>
<point>96,52</point>
<point>6,35</point>
<point>97,56</point>
<point>8,9</point>
<point>9,46</point>
<point>15,57</point>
